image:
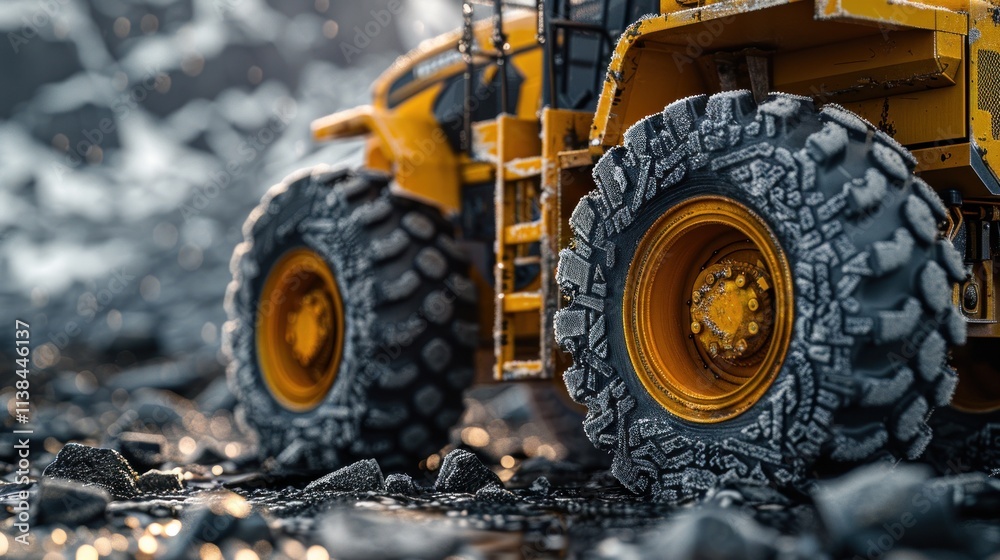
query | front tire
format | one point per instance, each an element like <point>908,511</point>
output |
<point>867,308</point>
<point>352,324</point>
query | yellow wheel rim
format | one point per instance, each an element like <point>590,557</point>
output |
<point>708,309</point>
<point>300,330</point>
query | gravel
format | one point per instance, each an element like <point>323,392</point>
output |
<point>546,510</point>
<point>221,518</point>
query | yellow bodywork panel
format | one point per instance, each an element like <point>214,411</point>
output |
<point>936,115</point>
<point>914,60</point>
<point>876,10</point>
<point>984,87</point>
<point>416,148</point>
<point>952,166</point>
<point>844,51</point>
<point>407,141</point>
<point>896,14</point>
<point>899,64</point>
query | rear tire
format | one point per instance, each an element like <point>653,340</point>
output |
<point>866,358</point>
<point>409,323</point>
<point>965,440</point>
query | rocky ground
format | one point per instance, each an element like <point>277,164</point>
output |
<point>117,221</point>
<point>161,469</point>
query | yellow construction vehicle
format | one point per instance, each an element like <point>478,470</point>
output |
<point>748,286</point>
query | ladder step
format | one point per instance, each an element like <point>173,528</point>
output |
<point>520,302</point>
<point>506,4</point>
<point>521,369</point>
<point>522,168</point>
<point>478,172</point>
<point>526,232</point>
<point>527,261</point>
<point>575,158</point>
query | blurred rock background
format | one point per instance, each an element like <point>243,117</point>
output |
<point>137,135</point>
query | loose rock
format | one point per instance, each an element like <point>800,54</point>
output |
<point>363,476</point>
<point>461,471</point>
<point>875,509</point>
<point>541,486</point>
<point>95,466</point>
<point>710,533</point>
<point>494,494</point>
<point>160,482</point>
<point>400,484</point>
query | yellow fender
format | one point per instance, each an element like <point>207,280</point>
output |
<point>415,149</point>
<point>654,62</point>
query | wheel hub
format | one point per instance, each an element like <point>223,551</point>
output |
<point>708,309</point>
<point>300,329</point>
<point>731,312</point>
<point>310,329</point>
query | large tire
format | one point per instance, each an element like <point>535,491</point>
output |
<point>409,322</point>
<point>866,359</point>
<point>966,441</point>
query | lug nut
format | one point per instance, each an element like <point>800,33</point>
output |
<point>696,296</point>
<point>753,328</point>
<point>753,305</point>
<point>710,279</point>
<point>741,280</point>
<point>695,327</point>
<point>741,346</point>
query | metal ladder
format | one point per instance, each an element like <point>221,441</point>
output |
<point>518,189</point>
